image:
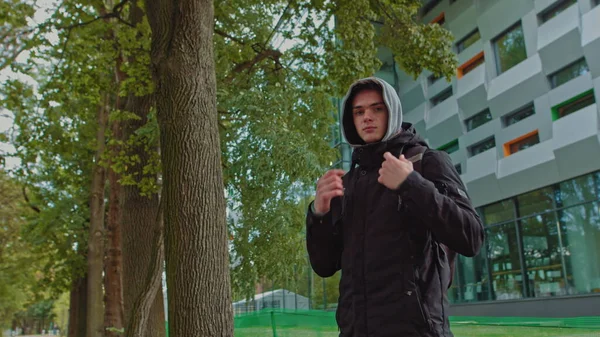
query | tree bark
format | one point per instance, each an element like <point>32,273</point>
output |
<point>113,266</point>
<point>95,257</point>
<point>193,193</point>
<point>140,314</point>
<point>139,216</point>
<point>77,308</point>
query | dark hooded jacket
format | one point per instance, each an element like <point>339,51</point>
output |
<point>387,243</point>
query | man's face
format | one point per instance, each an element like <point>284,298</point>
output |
<point>370,115</point>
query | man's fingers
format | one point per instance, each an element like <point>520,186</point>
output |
<point>330,185</point>
<point>389,156</point>
<point>327,196</point>
<point>327,180</point>
<point>334,172</point>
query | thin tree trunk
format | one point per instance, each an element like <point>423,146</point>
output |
<point>77,308</point>
<point>140,314</point>
<point>139,216</point>
<point>113,267</point>
<point>95,257</point>
<point>196,252</point>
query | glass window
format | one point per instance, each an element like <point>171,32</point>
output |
<point>432,79</point>
<point>429,5</point>
<point>537,201</point>
<point>444,95</point>
<point>556,9</point>
<point>519,115</point>
<point>543,256</point>
<point>576,191</point>
<point>483,146</point>
<point>499,212</point>
<point>478,119</point>
<point>479,61</point>
<point>509,48</point>
<point>524,143</point>
<point>458,168</point>
<point>471,281</point>
<point>568,73</point>
<point>505,264</point>
<point>450,147</point>
<point>576,104</point>
<point>580,231</point>
<point>468,40</point>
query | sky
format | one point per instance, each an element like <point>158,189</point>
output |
<point>6,121</point>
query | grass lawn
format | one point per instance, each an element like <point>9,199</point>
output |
<point>458,330</point>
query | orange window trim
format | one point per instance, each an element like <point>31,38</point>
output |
<point>516,140</point>
<point>438,18</point>
<point>460,70</point>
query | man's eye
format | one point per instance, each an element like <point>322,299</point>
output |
<point>358,113</point>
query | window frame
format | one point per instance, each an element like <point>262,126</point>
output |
<point>470,65</point>
<point>495,40</point>
<point>429,6</point>
<point>475,115</point>
<point>435,100</point>
<point>440,19</point>
<point>543,16</point>
<point>486,140</point>
<point>450,145</point>
<point>552,77</point>
<point>519,111</point>
<point>556,110</point>
<point>460,42</point>
<point>508,146</point>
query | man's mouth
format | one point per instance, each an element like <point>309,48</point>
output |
<point>369,128</point>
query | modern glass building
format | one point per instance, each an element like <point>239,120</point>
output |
<point>521,124</point>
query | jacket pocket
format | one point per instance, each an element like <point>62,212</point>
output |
<point>424,311</point>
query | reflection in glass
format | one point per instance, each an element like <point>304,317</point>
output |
<point>537,201</point>
<point>503,256</point>
<point>575,191</point>
<point>510,48</point>
<point>580,228</point>
<point>543,256</point>
<point>471,281</point>
<point>499,212</point>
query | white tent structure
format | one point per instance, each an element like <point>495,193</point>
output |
<point>275,299</point>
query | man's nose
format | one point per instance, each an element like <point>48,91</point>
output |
<point>368,115</point>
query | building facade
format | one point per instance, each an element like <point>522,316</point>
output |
<point>521,124</point>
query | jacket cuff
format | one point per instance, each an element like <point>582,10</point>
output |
<point>413,180</point>
<point>313,212</point>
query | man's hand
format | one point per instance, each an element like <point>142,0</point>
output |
<point>329,186</point>
<point>393,171</point>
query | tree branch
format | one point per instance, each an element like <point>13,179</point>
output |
<point>33,207</point>
<point>232,38</point>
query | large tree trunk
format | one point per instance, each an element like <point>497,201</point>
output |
<point>113,266</point>
<point>196,252</point>
<point>77,308</point>
<point>139,217</point>
<point>95,257</point>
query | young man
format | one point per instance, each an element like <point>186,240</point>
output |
<point>391,230</point>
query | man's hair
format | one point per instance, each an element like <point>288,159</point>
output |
<point>362,86</point>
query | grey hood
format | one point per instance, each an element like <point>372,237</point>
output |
<point>391,100</point>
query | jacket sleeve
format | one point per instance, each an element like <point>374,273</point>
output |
<point>441,200</point>
<point>323,242</point>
